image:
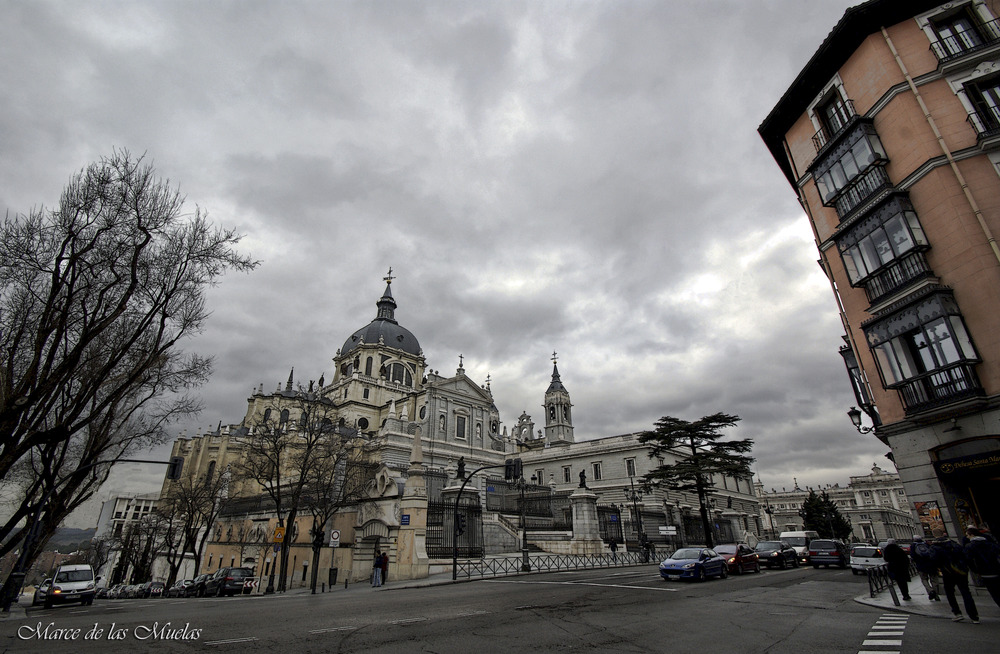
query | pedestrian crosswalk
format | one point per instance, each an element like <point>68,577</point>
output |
<point>886,636</point>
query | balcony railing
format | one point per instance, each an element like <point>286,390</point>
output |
<point>986,123</point>
<point>939,387</point>
<point>840,120</point>
<point>861,188</point>
<point>966,41</point>
<point>908,268</point>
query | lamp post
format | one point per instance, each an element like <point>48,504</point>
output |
<point>525,561</point>
<point>635,497</point>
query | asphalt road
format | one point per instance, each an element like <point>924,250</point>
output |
<point>614,610</point>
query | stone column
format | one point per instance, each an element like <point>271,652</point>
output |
<point>586,529</point>
<point>411,547</point>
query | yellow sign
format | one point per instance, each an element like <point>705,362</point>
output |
<point>279,534</point>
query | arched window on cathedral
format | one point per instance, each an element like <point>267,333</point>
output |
<point>284,418</point>
<point>368,366</point>
<point>267,415</point>
<point>211,472</point>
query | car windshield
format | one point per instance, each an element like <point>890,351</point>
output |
<point>725,549</point>
<point>239,572</point>
<point>74,575</point>
<point>768,545</point>
<point>796,541</point>
<point>686,553</point>
<point>823,545</point>
<point>866,552</point>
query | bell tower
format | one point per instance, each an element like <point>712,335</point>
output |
<point>558,410</point>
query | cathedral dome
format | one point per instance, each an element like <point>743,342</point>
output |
<point>385,329</point>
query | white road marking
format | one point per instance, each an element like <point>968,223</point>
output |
<point>579,583</point>
<point>231,640</point>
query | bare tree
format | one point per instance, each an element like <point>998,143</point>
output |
<point>95,297</point>
<point>343,465</point>
<point>287,446</point>
<point>97,553</point>
<point>192,503</point>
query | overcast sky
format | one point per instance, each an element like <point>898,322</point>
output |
<point>581,177</point>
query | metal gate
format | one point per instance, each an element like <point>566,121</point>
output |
<point>441,536</point>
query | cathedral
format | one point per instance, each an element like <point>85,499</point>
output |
<point>426,426</point>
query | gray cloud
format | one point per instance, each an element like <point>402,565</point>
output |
<point>577,177</point>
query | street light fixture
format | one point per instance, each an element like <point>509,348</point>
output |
<point>635,496</point>
<point>521,485</point>
<point>855,415</point>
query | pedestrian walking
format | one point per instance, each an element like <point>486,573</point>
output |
<point>983,555</point>
<point>384,564</point>
<point>899,566</point>
<point>614,550</point>
<point>377,570</point>
<point>954,567</point>
<point>923,559</point>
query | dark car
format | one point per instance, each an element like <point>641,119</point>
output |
<point>694,563</point>
<point>180,588</point>
<point>227,581</point>
<point>197,587</point>
<point>777,554</point>
<point>151,589</point>
<point>827,552</point>
<point>739,557</point>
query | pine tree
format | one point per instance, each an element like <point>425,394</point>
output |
<point>820,514</point>
<point>698,454</point>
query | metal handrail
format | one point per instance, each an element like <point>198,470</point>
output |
<point>879,580</point>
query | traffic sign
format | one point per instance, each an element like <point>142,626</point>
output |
<point>668,531</point>
<point>279,535</point>
<point>334,537</point>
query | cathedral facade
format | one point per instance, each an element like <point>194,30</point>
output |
<point>425,423</point>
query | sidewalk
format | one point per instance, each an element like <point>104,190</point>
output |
<point>920,604</point>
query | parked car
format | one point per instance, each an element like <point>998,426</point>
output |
<point>131,591</point>
<point>864,557</point>
<point>179,589</point>
<point>694,563</point>
<point>151,589</point>
<point>739,557</point>
<point>69,583</point>
<point>197,588</point>
<point>101,592</point>
<point>827,552</point>
<point>116,591</point>
<point>777,554</point>
<point>227,581</point>
<point>41,590</point>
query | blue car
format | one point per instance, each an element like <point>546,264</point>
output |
<point>694,563</point>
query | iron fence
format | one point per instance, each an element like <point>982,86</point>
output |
<point>505,566</point>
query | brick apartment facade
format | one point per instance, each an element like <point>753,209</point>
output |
<point>890,137</point>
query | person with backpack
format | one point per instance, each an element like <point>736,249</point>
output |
<point>954,567</point>
<point>899,566</point>
<point>983,555</point>
<point>923,559</point>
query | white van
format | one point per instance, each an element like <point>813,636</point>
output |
<point>800,541</point>
<point>69,583</point>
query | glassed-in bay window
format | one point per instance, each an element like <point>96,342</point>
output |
<point>887,234</point>
<point>925,337</point>
<point>858,152</point>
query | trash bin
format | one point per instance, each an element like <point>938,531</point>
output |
<point>333,577</point>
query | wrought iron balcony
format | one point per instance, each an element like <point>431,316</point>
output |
<point>841,118</point>
<point>904,270</point>
<point>860,189</point>
<point>939,387</point>
<point>986,123</point>
<point>967,41</point>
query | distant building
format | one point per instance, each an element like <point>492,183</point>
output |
<point>875,504</point>
<point>890,138</point>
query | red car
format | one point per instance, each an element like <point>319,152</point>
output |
<point>740,558</point>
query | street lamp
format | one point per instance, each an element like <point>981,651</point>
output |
<point>635,497</point>
<point>855,415</point>
<point>521,485</point>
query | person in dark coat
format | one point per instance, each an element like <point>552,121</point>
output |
<point>923,559</point>
<point>954,567</point>
<point>385,566</point>
<point>614,550</point>
<point>899,566</point>
<point>983,555</point>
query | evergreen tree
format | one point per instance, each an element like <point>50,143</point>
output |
<point>698,453</point>
<point>820,514</point>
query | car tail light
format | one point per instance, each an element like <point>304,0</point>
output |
<point>229,578</point>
